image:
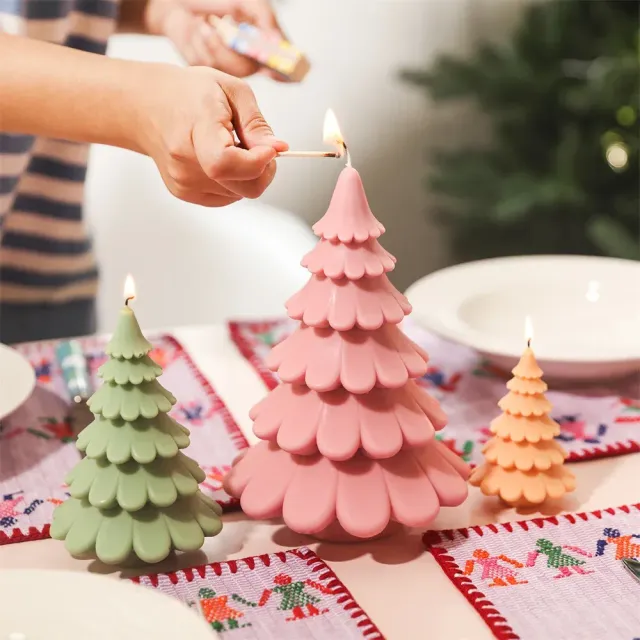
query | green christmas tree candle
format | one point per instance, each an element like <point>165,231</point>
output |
<point>135,494</point>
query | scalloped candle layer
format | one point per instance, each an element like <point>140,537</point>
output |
<point>523,488</point>
<point>353,261</point>
<point>338,424</point>
<point>344,304</point>
<point>361,494</point>
<point>325,359</point>
<point>525,405</point>
<point>525,386</point>
<point>519,428</point>
<point>524,455</point>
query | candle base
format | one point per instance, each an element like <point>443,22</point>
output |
<point>336,534</point>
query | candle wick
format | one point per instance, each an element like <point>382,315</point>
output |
<point>529,343</point>
<point>346,151</point>
<point>126,302</point>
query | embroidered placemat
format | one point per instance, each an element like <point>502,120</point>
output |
<point>37,448</point>
<point>559,577</point>
<point>595,423</point>
<point>289,595</point>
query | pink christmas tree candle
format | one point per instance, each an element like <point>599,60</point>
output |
<point>348,437</point>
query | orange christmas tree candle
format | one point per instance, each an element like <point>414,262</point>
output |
<point>524,464</point>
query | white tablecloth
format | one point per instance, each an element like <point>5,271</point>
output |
<point>398,584</point>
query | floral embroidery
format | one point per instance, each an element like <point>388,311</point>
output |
<point>484,434</point>
<point>464,453</point>
<point>630,412</point>
<point>8,511</point>
<point>214,478</point>
<point>163,357</point>
<point>437,378</point>
<point>487,370</point>
<point>196,413</point>
<point>42,370</point>
<point>575,429</point>
<point>10,432</point>
<point>95,361</point>
<point>54,429</point>
<point>266,333</point>
<point>33,506</point>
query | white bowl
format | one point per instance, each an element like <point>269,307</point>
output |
<point>585,312</point>
<point>17,379</point>
<point>61,605</point>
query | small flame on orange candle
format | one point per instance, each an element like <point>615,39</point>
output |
<point>129,289</point>
<point>332,135</point>
<point>528,330</point>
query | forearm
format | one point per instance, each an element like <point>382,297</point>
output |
<point>55,92</point>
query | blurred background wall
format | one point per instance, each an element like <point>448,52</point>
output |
<point>358,48</point>
<point>536,101</point>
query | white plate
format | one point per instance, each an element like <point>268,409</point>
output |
<point>17,379</point>
<point>61,605</point>
<point>585,311</point>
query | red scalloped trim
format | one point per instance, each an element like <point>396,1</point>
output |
<point>368,628</point>
<point>271,381</point>
<point>17,535</point>
<point>315,563</point>
<point>611,450</point>
<point>488,612</point>
<point>249,353</point>
<point>234,432</point>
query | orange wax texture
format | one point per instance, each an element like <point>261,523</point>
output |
<point>524,465</point>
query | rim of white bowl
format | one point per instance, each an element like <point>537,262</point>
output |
<point>442,288</point>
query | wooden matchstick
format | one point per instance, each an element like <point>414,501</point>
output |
<point>309,154</point>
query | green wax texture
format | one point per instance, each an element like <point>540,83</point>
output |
<point>135,495</point>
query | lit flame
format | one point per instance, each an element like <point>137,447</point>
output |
<point>129,288</point>
<point>332,135</point>
<point>528,330</point>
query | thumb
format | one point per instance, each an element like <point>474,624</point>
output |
<point>250,125</point>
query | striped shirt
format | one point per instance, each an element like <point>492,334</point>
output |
<point>45,251</point>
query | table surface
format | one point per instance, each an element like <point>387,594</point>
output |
<point>396,582</point>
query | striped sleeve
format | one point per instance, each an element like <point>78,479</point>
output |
<point>45,252</point>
